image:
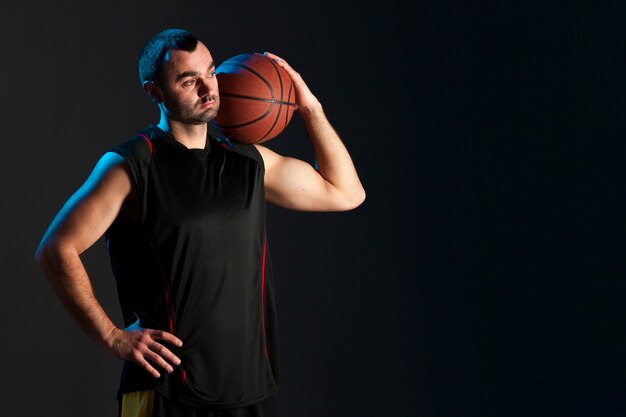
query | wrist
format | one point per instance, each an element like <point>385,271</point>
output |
<point>110,337</point>
<point>311,110</point>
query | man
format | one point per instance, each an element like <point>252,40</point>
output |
<point>184,218</point>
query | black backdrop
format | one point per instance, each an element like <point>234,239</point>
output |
<point>484,275</point>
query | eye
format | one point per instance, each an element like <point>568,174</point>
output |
<point>189,82</point>
<point>212,74</point>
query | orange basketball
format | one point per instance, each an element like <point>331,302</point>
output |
<point>257,98</point>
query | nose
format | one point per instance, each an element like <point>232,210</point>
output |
<point>205,86</point>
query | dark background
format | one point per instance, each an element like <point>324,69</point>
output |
<point>484,274</point>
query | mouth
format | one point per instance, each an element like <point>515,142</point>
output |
<point>208,102</point>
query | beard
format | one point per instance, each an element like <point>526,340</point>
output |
<point>194,115</point>
<point>205,116</point>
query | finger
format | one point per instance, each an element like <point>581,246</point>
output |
<point>295,76</point>
<point>158,360</point>
<point>271,55</point>
<point>168,337</point>
<point>280,61</point>
<point>145,365</point>
<point>164,352</point>
<point>305,95</point>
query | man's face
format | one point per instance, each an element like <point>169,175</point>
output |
<point>188,86</point>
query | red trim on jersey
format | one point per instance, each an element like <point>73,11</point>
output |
<point>184,376</point>
<point>263,293</point>
<point>147,140</point>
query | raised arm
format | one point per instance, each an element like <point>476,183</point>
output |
<point>295,184</point>
<point>80,223</point>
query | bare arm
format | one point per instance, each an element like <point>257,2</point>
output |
<point>80,223</point>
<point>294,184</point>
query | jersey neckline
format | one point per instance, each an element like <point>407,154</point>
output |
<point>170,139</point>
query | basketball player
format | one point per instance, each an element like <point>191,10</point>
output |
<point>184,218</point>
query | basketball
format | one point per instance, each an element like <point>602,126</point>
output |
<point>257,98</point>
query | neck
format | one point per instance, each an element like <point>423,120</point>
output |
<point>193,136</point>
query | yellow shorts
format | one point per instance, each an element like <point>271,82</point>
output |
<point>137,404</point>
<point>149,403</point>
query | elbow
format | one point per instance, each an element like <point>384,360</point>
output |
<point>354,200</point>
<point>360,198</point>
<point>51,252</point>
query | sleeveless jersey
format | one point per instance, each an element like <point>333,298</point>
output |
<point>196,264</point>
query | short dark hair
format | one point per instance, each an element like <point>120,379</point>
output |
<point>153,52</point>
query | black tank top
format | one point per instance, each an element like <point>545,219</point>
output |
<point>196,264</point>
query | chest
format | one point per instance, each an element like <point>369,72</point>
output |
<point>198,187</point>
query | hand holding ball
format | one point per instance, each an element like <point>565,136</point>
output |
<point>257,98</point>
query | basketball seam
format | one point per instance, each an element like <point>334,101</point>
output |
<point>271,101</point>
<point>267,100</point>
<point>244,66</point>
<point>269,109</point>
<point>288,97</point>
<point>280,80</point>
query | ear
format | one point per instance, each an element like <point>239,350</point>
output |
<point>153,91</point>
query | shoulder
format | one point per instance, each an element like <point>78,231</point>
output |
<point>111,165</point>
<point>138,146</point>
<point>270,158</point>
<point>108,182</point>
<point>136,154</point>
